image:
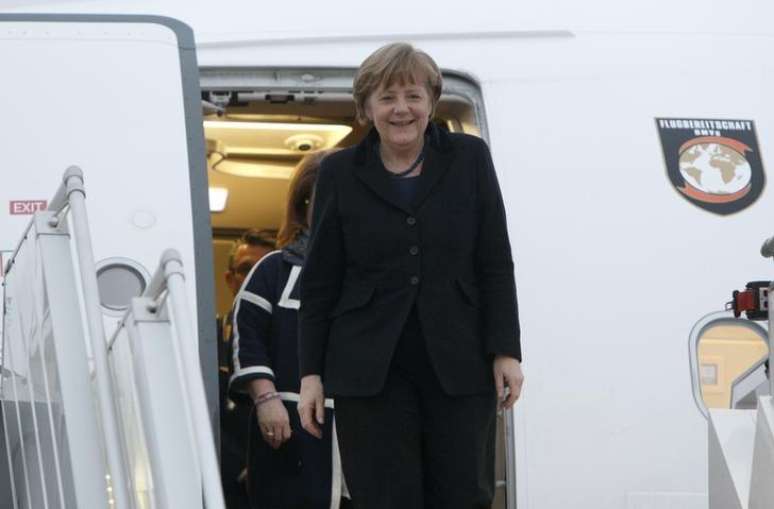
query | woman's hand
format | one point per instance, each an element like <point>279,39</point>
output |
<point>311,405</point>
<point>507,373</point>
<point>272,416</point>
<point>274,423</point>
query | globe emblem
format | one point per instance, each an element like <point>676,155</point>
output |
<point>714,169</point>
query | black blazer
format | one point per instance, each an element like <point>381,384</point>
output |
<point>372,258</point>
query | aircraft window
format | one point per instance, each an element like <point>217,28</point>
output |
<point>728,357</point>
<point>119,280</point>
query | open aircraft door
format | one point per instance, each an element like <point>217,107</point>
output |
<point>119,97</point>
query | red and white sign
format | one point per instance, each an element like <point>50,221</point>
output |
<point>26,207</point>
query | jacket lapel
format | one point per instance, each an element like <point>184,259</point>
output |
<point>370,171</point>
<point>438,157</point>
<point>373,175</point>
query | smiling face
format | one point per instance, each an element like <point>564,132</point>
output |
<point>400,112</point>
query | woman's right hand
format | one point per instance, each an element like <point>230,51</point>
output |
<point>274,423</point>
<point>311,404</point>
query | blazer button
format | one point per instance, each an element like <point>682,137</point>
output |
<point>414,280</point>
<point>414,250</point>
<point>411,220</point>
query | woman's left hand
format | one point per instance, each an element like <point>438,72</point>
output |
<point>507,373</point>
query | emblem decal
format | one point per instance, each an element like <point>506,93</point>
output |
<point>714,164</point>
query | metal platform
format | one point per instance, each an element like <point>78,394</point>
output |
<point>741,457</point>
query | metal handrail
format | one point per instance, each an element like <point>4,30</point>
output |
<point>167,287</point>
<point>757,369</point>
<point>19,245</point>
<point>57,204</point>
<point>72,193</point>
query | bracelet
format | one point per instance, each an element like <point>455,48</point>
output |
<point>267,396</point>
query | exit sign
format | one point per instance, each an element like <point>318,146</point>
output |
<point>26,207</point>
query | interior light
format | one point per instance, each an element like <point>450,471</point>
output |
<point>256,168</point>
<point>240,138</point>
<point>218,197</point>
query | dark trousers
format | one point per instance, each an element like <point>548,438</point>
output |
<point>234,423</point>
<point>414,447</point>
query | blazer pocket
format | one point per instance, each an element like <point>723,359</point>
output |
<point>469,291</point>
<point>352,298</point>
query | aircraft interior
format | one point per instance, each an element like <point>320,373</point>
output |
<point>254,142</point>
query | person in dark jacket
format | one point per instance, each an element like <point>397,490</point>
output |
<point>409,317</point>
<point>287,467</point>
<point>251,246</point>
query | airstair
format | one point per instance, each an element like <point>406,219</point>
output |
<point>90,421</point>
<point>741,439</point>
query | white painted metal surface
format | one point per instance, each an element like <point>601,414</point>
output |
<point>762,487</point>
<point>56,429</point>
<point>114,107</point>
<point>71,195</point>
<point>132,134</point>
<point>732,438</point>
<point>167,291</point>
<point>741,452</point>
<point>52,430</point>
<point>160,444</point>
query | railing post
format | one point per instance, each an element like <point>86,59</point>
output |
<point>767,251</point>
<point>510,461</point>
<point>172,268</point>
<point>771,343</point>
<point>73,193</point>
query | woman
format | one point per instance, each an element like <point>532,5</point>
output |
<point>287,468</point>
<point>409,314</point>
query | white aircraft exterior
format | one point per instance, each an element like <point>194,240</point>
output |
<point>614,264</point>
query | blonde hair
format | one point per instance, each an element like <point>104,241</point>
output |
<point>300,197</point>
<point>396,62</point>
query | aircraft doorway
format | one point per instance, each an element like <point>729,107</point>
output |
<point>259,123</point>
<point>729,362</point>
